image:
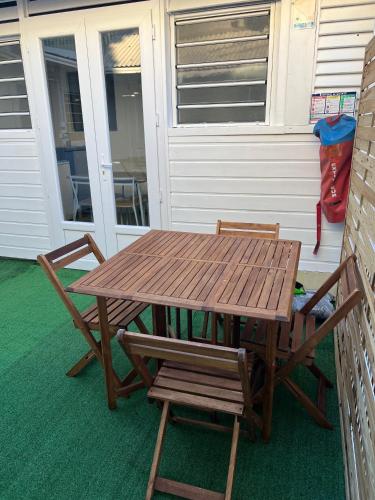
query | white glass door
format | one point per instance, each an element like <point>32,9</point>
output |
<point>57,52</point>
<point>120,54</point>
<point>97,122</point>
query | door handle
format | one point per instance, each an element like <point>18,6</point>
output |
<point>106,170</point>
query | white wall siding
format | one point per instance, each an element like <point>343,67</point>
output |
<point>261,179</point>
<point>345,28</point>
<point>23,220</point>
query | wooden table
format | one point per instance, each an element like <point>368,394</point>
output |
<point>205,272</point>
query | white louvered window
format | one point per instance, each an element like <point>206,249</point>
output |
<point>221,67</point>
<point>14,105</point>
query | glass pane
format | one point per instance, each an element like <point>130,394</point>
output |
<point>225,73</point>
<point>217,29</point>
<point>13,105</point>
<point>222,115</point>
<point>122,65</point>
<point>11,70</point>
<point>244,93</point>
<point>234,51</point>
<point>12,88</point>
<point>10,52</point>
<point>65,101</point>
<point>10,122</point>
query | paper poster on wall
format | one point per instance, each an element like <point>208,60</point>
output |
<point>333,103</point>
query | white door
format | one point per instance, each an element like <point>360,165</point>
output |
<point>120,54</point>
<point>94,84</point>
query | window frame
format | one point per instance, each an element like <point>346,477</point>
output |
<point>225,9</point>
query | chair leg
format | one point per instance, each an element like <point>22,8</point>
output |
<point>319,375</point>
<point>214,328</point>
<point>81,364</point>
<point>232,460</point>
<point>312,409</point>
<point>189,324</point>
<point>178,322</point>
<point>158,450</point>
<point>142,327</point>
<point>205,324</point>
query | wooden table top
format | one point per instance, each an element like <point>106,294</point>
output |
<point>232,275</point>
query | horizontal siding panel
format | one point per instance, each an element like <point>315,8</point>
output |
<point>19,177</point>
<point>274,203</point>
<point>286,219</point>
<point>342,54</point>
<point>33,242</point>
<point>20,164</point>
<point>342,27</point>
<point>21,203</point>
<point>245,186</point>
<point>19,191</point>
<point>339,68</point>
<point>342,13</point>
<point>24,229</point>
<point>17,149</point>
<point>244,151</point>
<point>23,216</point>
<point>258,169</point>
<point>349,40</point>
<point>338,81</point>
<point>20,252</point>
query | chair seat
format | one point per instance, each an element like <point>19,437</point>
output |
<point>204,388</point>
<point>289,339</point>
<point>120,313</point>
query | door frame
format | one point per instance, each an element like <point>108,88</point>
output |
<point>76,23</point>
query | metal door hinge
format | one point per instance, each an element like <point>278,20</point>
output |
<point>157,119</point>
<point>153,32</point>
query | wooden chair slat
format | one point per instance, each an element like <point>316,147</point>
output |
<point>193,400</point>
<point>73,257</point>
<point>64,250</point>
<point>201,369</point>
<point>297,335</point>
<point>199,389</point>
<point>200,378</point>
<point>184,490</point>
<point>176,355</point>
<point>183,346</point>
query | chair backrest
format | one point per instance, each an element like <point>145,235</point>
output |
<point>63,256</point>
<point>248,229</point>
<point>352,294</point>
<point>138,346</point>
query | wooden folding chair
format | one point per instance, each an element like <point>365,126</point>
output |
<point>210,378</point>
<point>244,230</point>
<point>297,341</point>
<point>120,312</point>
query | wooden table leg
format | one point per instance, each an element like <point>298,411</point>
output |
<point>270,379</point>
<point>159,320</point>
<point>236,331</point>
<point>227,330</point>
<point>106,352</point>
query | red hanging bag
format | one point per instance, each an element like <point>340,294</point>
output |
<point>336,134</point>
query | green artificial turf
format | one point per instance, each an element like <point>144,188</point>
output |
<point>58,440</point>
